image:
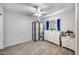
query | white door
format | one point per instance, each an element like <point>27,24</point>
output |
<point>37,30</point>
<point>1,29</point>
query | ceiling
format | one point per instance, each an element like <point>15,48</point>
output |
<point>29,8</point>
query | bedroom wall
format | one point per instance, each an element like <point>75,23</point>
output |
<point>67,19</point>
<point>18,28</point>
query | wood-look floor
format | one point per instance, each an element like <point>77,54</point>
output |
<point>35,48</point>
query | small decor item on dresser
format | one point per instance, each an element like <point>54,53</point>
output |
<point>62,34</point>
<point>69,33</point>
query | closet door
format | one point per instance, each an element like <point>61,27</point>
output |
<point>34,31</point>
<point>1,28</point>
<point>37,30</point>
<point>42,31</point>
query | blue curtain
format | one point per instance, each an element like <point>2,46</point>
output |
<point>58,24</point>
<point>47,25</point>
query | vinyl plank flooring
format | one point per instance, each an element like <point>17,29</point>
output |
<point>35,48</point>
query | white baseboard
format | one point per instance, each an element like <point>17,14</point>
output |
<point>16,43</point>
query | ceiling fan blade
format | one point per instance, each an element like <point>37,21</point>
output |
<point>31,9</point>
<point>43,12</point>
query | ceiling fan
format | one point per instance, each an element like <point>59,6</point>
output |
<point>39,11</point>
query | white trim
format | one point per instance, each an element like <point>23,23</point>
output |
<point>76,51</point>
<point>1,47</point>
<point>16,43</point>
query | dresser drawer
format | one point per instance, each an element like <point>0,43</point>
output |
<point>68,42</point>
<point>70,47</point>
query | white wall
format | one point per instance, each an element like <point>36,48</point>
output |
<point>1,27</point>
<point>18,28</point>
<point>67,19</point>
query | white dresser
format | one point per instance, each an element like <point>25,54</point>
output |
<point>52,36</point>
<point>68,42</point>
